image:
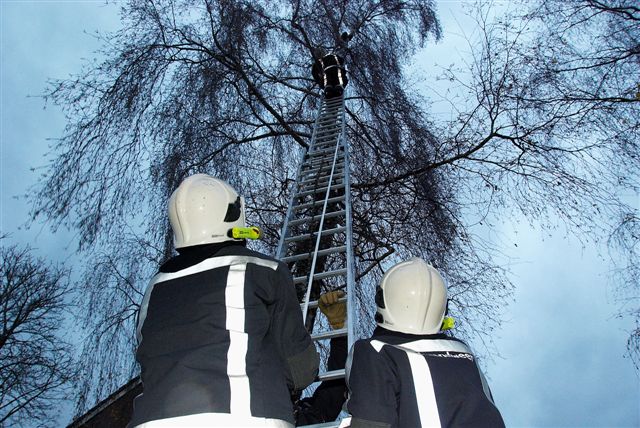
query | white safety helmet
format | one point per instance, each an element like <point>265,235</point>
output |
<point>203,209</point>
<point>411,298</point>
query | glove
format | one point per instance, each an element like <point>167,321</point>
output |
<point>335,311</point>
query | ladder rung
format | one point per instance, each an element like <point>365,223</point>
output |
<point>317,217</point>
<point>321,152</point>
<point>328,130</point>
<point>321,253</point>
<point>328,145</point>
<point>315,186</point>
<point>322,170</point>
<point>316,203</point>
<point>320,178</point>
<point>333,102</point>
<point>321,160</point>
<point>334,424</point>
<point>330,115</point>
<point>315,234</point>
<point>332,125</point>
<point>314,303</point>
<point>326,134</point>
<point>328,126</point>
<point>310,178</point>
<point>321,167</point>
<point>331,375</point>
<point>327,120</point>
<point>329,334</point>
<point>334,186</point>
<point>327,168</point>
<point>330,109</point>
<point>329,139</point>
<point>321,275</point>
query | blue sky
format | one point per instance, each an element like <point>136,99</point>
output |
<point>561,349</point>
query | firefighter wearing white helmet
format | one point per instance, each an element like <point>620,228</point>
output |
<point>412,298</point>
<point>220,335</point>
<point>410,373</point>
<point>203,209</point>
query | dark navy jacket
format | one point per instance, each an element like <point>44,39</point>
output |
<point>330,74</point>
<point>220,332</point>
<point>404,380</point>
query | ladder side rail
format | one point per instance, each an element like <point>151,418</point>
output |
<point>320,226</point>
<point>351,320</point>
<point>282,245</point>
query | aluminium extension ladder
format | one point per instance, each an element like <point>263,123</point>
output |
<point>316,238</point>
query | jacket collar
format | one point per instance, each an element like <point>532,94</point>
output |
<point>397,338</point>
<point>189,256</point>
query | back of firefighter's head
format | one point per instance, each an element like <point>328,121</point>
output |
<point>411,298</point>
<point>203,209</point>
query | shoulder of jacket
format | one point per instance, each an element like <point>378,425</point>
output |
<point>362,344</point>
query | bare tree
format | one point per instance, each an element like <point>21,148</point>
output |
<point>36,365</point>
<point>224,87</point>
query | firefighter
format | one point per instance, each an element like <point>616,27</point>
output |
<point>329,73</point>
<point>220,335</point>
<point>410,373</point>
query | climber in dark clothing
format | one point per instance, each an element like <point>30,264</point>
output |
<point>330,74</point>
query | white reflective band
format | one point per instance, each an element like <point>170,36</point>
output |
<point>346,422</point>
<point>339,74</point>
<point>234,298</point>
<point>485,385</point>
<point>425,394</point>
<point>207,420</point>
<point>235,319</point>
<point>340,79</point>
<point>240,394</point>
<point>324,75</point>
<point>422,381</point>
<point>437,345</point>
<point>427,345</point>
<point>377,345</point>
<point>144,306</point>
<point>214,263</point>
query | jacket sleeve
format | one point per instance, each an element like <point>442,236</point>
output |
<point>373,387</point>
<point>292,339</point>
<point>326,402</point>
